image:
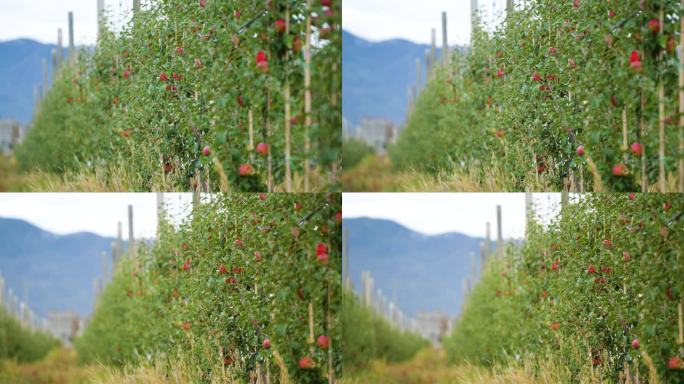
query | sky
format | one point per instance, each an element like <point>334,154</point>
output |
<point>435,213</point>
<point>378,20</point>
<point>64,213</point>
<point>40,19</point>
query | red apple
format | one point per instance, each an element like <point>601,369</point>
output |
<point>635,344</point>
<point>262,149</point>
<point>202,3</point>
<point>198,63</point>
<point>637,149</point>
<point>245,169</point>
<point>322,258</point>
<point>262,196</point>
<point>306,363</point>
<point>179,51</point>
<point>257,256</point>
<point>675,362</point>
<point>163,77</point>
<point>323,341</point>
<point>626,256</point>
<point>280,26</point>
<point>591,269</point>
<point>206,151</point>
<point>580,151</point>
<point>536,77</point>
<point>321,248</point>
<point>266,344</point>
<point>654,25</point>
<point>238,243</point>
<point>620,170</point>
<point>632,195</point>
<point>222,269</point>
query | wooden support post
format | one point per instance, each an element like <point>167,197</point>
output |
<point>311,328</point>
<point>661,117</point>
<point>72,52</point>
<point>307,96</point>
<point>345,255</point>
<point>529,212</point>
<point>488,239</point>
<point>60,47</point>
<point>100,18</point>
<point>625,140</point>
<point>55,63</point>
<point>46,81</point>
<point>433,46</point>
<point>474,18</point>
<point>483,257</point>
<point>509,7</point>
<point>419,73</point>
<point>428,64</point>
<point>136,6</point>
<point>131,238</point>
<point>445,42</point>
<point>681,104</point>
<point>499,233</point>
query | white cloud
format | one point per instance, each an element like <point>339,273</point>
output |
<point>468,213</point>
<point>413,19</point>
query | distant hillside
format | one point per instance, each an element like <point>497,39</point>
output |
<point>20,70</point>
<point>376,76</point>
<point>59,270</point>
<point>424,272</point>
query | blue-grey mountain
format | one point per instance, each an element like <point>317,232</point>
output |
<point>419,272</point>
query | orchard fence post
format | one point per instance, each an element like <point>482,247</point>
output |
<point>483,257</point>
<point>345,255</point>
<point>60,48</point>
<point>136,6</point>
<point>661,116</point>
<point>419,73</point>
<point>625,145</point>
<point>307,96</point>
<point>499,235</point>
<point>100,18</point>
<point>680,337</point>
<point>564,197</point>
<point>474,19</point>
<point>433,48</point>
<point>642,131</point>
<point>160,206</point>
<point>46,84</point>
<point>105,266</point>
<point>488,239</point>
<point>55,63</point>
<point>528,212</point>
<point>131,239</point>
<point>509,7</point>
<point>681,105</point>
<point>71,37</point>
<point>286,95</point>
<point>445,44</point>
<point>311,328</point>
<point>428,64</point>
<point>119,240</point>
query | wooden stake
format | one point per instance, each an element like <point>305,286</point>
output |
<point>71,36</point>
<point>625,144</point>
<point>136,6</point>
<point>311,328</point>
<point>445,44</point>
<point>680,338</point>
<point>131,239</point>
<point>644,176</point>
<point>499,233</point>
<point>307,95</point>
<point>250,123</point>
<point>60,49</point>
<point>681,105</point>
<point>661,119</point>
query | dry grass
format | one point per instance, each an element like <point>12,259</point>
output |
<point>121,179</point>
<point>431,367</point>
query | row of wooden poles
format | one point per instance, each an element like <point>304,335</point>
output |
<point>381,305</point>
<point>20,309</point>
<point>575,183</point>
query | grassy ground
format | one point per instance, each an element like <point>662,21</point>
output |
<point>61,367</point>
<point>430,366</point>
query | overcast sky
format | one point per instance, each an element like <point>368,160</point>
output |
<point>65,213</point>
<point>378,20</point>
<point>40,19</point>
<point>434,213</point>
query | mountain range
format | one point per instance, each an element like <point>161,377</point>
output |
<point>21,69</point>
<point>418,272</point>
<point>57,269</point>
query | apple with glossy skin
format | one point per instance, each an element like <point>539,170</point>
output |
<point>280,26</point>
<point>323,341</point>
<point>262,149</point>
<point>266,344</point>
<point>635,344</point>
<point>654,25</point>
<point>245,169</point>
<point>675,362</point>
<point>620,170</point>
<point>580,151</point>
<point>306,363</point>
<point>637,149</point>
<point>206,151</point>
